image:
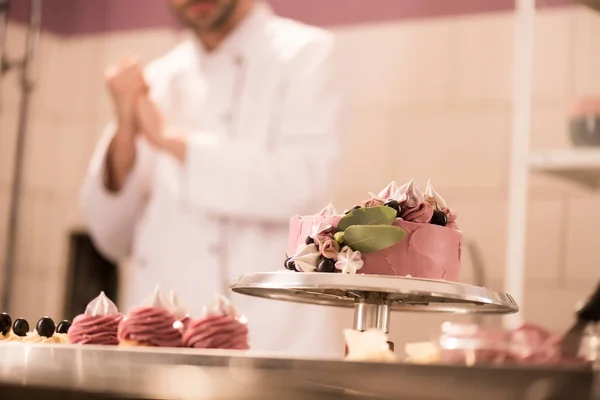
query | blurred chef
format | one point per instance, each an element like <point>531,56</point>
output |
<point>212,149</point>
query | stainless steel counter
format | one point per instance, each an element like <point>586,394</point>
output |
<point>190,374</point>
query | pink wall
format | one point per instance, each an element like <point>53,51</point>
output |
<point>72,17</point>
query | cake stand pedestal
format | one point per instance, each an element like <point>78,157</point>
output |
<point>373,297</point>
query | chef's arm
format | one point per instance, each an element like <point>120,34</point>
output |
<point>111,213</point>
<point>237,178</point>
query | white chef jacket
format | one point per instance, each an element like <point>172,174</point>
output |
<point>261,114</point>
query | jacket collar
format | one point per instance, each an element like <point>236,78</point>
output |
<point>237,42</point>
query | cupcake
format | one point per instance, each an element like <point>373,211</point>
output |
<point>45,332</point>
<point>99,323</point>
<point>152,324</point>
<point>179,310</point>
<point>220,328</point>
<point>6,332</point>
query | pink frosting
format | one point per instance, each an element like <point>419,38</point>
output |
<point>421,213</point>
<point>451,215</point>
<point>217,332</point>
<point>151,326</point>
<point>427,251</point>
<point>101,330</point>
<point>185,321</point>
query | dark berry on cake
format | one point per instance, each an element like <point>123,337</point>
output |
<point>5,323</point>
<point>309,240</point>
<point>21,327</point>
<point>63,327</point>
<point>326,265</point>
<point>289,264</point>
<point>439,218</point>
<point>393,204</point>
<point>350,210</point>
<point>45,327</point>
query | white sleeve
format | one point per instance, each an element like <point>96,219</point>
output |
<point>239,179</point>
<point>112,217</point>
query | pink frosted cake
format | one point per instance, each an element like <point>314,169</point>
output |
<point>400,232</point>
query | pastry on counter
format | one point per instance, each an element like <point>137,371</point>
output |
<point>401,232</point>
<point>370,345</point>
<point>151,325</point>
<point>98,324</point>
<point>221,327</point>
<point>45,332</point>
<point>470,344</point>
<point>7,334</point>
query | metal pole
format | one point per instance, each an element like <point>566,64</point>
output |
<point>514,280</point>
<point>15,195</point>
<point>374,312</point>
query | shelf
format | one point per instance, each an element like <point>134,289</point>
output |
<point>580,165</point>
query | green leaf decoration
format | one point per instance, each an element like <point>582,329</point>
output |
<point>381,215</point>
<point>372,238</point>
<point>339,237</point>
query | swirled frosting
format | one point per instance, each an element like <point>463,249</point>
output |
<point>152,324</point>
<point>220,328</point>
<point>149,326</point>
<point>95,329</point>
<point>98,325</point>
<point>217,332</point>
<point>421,213</point>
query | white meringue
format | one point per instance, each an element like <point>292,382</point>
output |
<point>370,345</point>
<point>156,300</point>
<point>328,211</point>
<point>101,306</point>
<point>307,258</point>
<point>349,261</point>
<point>413,196</point>
<point>316,229</point>
<point>178,309</point>
<point>400,193</point>
<point>221,307</point>
<point>388,192</point>
<point>433,197</point>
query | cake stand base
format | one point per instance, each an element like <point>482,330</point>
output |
<point>373,297</point>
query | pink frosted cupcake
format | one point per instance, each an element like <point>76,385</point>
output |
<point>180,311</point>
<point>151,325</point>
<point>98,324</point>
<point>220,328</point>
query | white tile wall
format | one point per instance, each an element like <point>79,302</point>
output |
<point>586,52</point>
<point>484,48</point>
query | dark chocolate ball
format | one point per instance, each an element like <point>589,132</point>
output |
<point>5,323</point>
<point>439,218</point>
<point>309,240</point>
<point>63,326</point>
<point>326,265</point>
<point>45,327</point>
<point>21,327</point>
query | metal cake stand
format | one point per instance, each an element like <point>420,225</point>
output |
<point>373,297</point>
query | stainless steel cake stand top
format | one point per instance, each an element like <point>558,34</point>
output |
<point>373,297</point>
